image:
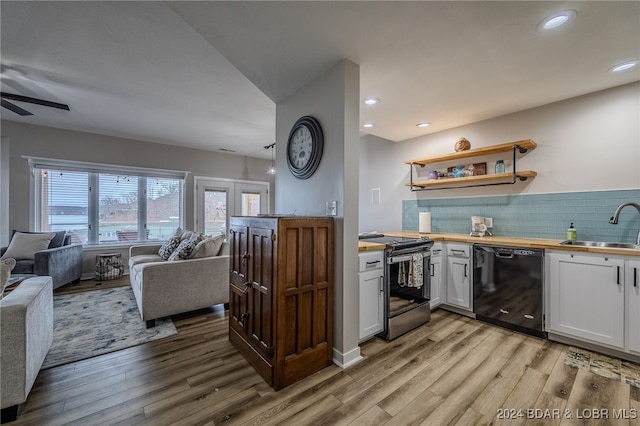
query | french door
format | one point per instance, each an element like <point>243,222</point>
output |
<point>219,199</point>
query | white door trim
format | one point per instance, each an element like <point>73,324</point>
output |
<point>234,187</point>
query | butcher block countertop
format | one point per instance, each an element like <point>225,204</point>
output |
<point>365,245</point>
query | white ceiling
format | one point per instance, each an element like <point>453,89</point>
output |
<point>207,74</point>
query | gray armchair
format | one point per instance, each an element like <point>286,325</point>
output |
<point>62,261</point>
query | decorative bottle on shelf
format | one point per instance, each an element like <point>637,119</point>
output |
<point>572,233</point>
<point>500,166</point>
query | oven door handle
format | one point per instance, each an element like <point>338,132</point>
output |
<point>398,259</point>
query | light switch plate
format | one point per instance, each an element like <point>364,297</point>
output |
<point>375,196</point>
<point>332,208</point>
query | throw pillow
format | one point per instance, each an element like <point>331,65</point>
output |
<point>6,265</point>
<point>58,239</point>
<point>183,251</point>
<point>24,245</point>
<point>192,236</point>
<point>178,232</point>
<point>169,247</point>
<point>208,247</point>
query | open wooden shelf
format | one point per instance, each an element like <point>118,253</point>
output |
<point>492,179</point>
<point>523,146</point>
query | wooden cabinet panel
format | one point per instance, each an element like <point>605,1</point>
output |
<point>238,279</point>
<point>287,332</point>
<point>261,321</point>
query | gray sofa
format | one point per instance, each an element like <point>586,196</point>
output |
<point>163,288</point>
<point>62,261</point>
<point>26,333</point>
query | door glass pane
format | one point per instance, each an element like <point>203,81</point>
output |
<point>250,204</point>
<point>64,203</point>
<point>163,207</point>
<point>215,212</point>
<point>118,208</point>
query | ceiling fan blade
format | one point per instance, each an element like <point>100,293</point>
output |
<point>15,108</point>
<point>36,101</point>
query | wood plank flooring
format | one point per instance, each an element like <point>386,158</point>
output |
<point>454,370</point>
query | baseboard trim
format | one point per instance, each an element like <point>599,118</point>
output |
<point>347,359</point>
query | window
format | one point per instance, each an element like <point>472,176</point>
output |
<point>103,204</point>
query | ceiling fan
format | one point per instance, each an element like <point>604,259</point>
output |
<point>19,98</point>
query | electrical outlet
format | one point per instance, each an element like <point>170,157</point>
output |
<point>488,221</point>
<point>332,208</point>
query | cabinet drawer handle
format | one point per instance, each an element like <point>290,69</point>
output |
<point>432,273</point>
<point>635,277</point>
<point>381,281</point>
<point>374,263</point>
<point>465,269</point>
<point>618,274</point>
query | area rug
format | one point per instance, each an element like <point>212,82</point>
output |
<point>603,365</point>
<point>97,322</point>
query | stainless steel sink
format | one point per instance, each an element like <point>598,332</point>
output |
<point>600,244</point>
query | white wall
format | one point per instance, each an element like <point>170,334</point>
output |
<point>333,99</point>
<point>587,143</point>
<point>49,142</point>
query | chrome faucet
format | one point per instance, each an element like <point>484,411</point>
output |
<point>616,214</point>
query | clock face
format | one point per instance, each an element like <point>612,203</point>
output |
<point>304,149</point>
<point>300,147</point>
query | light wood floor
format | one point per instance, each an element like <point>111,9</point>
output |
<point>454,370</point>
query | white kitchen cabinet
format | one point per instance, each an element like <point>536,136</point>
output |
<point>371,297</point>
<point>633,304</point>
<point>458,276</point>
<point>436,273</point>
<point>586,297</point>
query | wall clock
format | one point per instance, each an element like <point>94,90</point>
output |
<point>304,148</point>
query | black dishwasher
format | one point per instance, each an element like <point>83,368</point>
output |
<point>507,287</point>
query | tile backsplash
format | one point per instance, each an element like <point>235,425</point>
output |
<point>533,215</point>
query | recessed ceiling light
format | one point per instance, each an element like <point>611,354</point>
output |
<point>625,66</point>
<point>367,125</point>
<point>557,20</point>
<point>423,124</point>
<point>371,101</point>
